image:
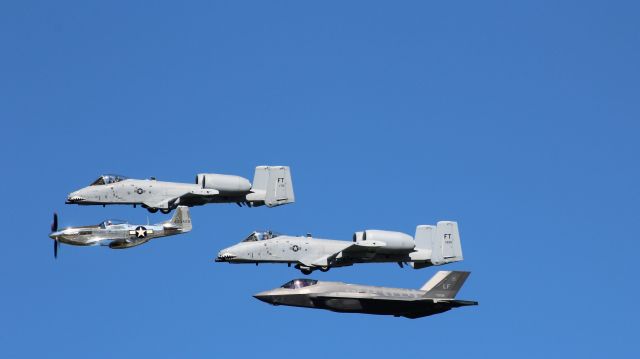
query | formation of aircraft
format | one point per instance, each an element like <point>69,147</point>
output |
<point>118,234</point>
<point>271,187</point>
<point>432,245</point>
<point>435,296</point>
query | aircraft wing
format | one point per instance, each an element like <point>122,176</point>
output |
<point>359,250</point>
<point>383,298</point>
<point>355,250</point>
<point>187,197</point>
<point>411,308</point>
<point>369,296</point>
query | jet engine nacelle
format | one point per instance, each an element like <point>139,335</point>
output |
<point>392,240</point>
<point>223,183</point>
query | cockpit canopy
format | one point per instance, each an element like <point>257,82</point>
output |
<point>299,283</point>
<point>260,236</point>
<point>111,222</point>
<point>107,179</point>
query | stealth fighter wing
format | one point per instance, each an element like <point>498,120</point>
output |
<point>119,234</point>
<point>432,245</point>
<point>436,296</point>
<point>271,186</point>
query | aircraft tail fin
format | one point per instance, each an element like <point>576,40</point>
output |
<point>445,284</point>
<point>274,184</point>
<point>443,240</point>
<point>181,219</point>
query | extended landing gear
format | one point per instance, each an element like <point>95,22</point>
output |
<point>308,270</point>
<point>154,210</point>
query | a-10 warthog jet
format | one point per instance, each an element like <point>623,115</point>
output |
<point>271,186</point>
<point>436,296</point>
<point>433,245</point>
<point>118,234</point>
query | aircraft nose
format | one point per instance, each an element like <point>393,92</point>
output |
<point>224,256</point>
<point>265,297</point>
<point>74,197</point>
<point>55,235</point>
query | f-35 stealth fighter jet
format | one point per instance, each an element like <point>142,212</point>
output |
<point>432,245</point>
<point>271,186</point>
<point>436,296</point>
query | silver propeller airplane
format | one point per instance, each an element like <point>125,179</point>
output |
<point>271,186</point>
<point>436,296</point>
<point>119,234</point>
<point>433,245</point>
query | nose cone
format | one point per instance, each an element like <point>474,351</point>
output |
<point>226,255</point>
<point>75,197</point>
<point>55,235</point>
<point>266,297</point>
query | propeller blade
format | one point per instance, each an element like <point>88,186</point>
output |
<point>55,248</point>
<point>54,225</point>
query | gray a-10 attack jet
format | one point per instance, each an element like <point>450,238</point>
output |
<point>433,245</point>
<point>271,186</point>
<point>436,296</point>
<point>118,234</point>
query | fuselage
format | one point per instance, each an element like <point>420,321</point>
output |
<point>352,298</point>
<point>121,235</point>
<point>307,252</point>
<point>151,193</point>
<point>281,249</point>
<point>271,187</point>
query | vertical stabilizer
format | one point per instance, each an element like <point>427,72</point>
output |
<point>442,240</point>
<point>181,219</point>
<point>445,284</point>
<point>274,183</point>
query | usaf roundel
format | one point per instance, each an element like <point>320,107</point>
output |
<point>141,232</point>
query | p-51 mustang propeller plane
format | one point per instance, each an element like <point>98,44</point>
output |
<point>271,187</point>
<point>119,234</point>
<point>432,245</point>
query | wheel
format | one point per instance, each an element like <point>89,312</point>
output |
<point>306,271</point>
<point>165,211</point>
<point>324,269</point>
<point>152,210</point>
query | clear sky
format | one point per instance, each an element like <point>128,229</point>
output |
<point>520,120</point>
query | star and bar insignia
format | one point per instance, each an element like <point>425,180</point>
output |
<point>141,232</point>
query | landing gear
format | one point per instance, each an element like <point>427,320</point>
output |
<point>306,271</point>
<point>324,269</point>
<point>165,210</point>
<point>152,210</point>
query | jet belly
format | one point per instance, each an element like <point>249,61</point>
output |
<point>362,299</point>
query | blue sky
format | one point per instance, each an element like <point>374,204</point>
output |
<point>517,119</point>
